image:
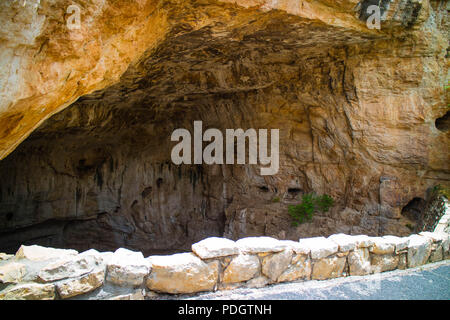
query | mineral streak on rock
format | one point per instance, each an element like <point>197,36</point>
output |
<point>86,117</point>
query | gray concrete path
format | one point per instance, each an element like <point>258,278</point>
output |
<point>429,282</point>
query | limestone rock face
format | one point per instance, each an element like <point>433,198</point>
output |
<point>86,117</point>
<point>182,273</point>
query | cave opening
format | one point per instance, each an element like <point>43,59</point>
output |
<point>443,123</point>
<point>99,174</point>
<point>414,211</point>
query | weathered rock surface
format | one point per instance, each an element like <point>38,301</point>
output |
<point>359,262</point>
<point>319,247</point>
<point>215,247</point>
<point>258,282</point>
<point>328,268</point>
<point>29,291</point>
<point>296,247</point>
<point>81,285</point>
<point>345,242</point>
<point>12,272</point>
<point>401,243</point>
<point>242,268</point>
<point>363,241</point>
<point>384,262</point>
<point>70,267</point>
<point>260,245</point>
<point>382,245</point>
<point>356,109</point>
<point>419,250</point>
<point>300,269</point>
<point>38,253</point>
<point>274,265</point>
<point>182,273</point>
<point>127,268</point>
<point>4,256</point>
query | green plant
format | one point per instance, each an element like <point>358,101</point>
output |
<point>276,200</point>
<point>442,190</point>
<point>310,204</point>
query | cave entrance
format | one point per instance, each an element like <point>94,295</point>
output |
<point>414,211</point>
<point>443,123</point>
<point>102,170</point>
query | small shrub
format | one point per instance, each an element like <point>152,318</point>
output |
<point>310,204</point>
<point>276,200</point>
<point>441,190</point>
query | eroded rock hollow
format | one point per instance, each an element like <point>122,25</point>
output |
<point>359,111</point>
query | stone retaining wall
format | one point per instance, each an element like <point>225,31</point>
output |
<point>36,272</point>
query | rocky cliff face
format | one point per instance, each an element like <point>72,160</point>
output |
<point>362,115</point>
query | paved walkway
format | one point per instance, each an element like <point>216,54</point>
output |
<point>429,282</point>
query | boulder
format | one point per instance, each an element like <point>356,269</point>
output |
<point>438,238</point>
<point>182,273</point>
<point>382,245</point>
<point>359,262</point>
<point>29,291</point>
<point>440,243</point>
<point>400,243</point>
<point>328,268</point>
<point>12,272</point>
<point>81,285</point>
<point>419,250</point>
<point>384,262</point>
<point>437,254</point>
<point>127,268</point>
<point>71,266</point>
<point>296,247</point>
<point>260,245</point>
<point>38,253</point>
<point>300,268</point>
<point>363,241</point>
<point>242,268</point>
<point>402,261</point>
<point>215,248</point>
<point>344,241</point>
<point>4,256</point>
<point>320,247</point>
<point>274,265</point>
